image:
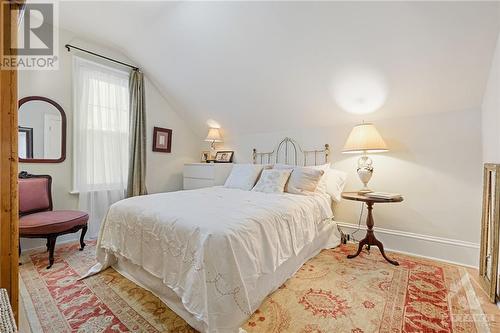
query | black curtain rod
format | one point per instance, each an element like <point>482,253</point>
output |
<point>69,46</point>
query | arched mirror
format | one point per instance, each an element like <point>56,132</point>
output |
<point>41,131</point>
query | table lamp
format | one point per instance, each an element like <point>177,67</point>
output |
<point>213,136</point>
<point>364,138</point>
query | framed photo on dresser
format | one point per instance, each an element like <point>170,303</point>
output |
<point>205,156</point>
<point>225,156</point>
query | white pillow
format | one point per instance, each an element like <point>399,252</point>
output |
<point>272,181</point>
<point>322,185</point>
<point>243,176</point>
<point>303,180</point>
<point>332,182</point>
<point>335,183</point>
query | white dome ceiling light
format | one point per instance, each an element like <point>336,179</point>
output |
<point>359,91</point>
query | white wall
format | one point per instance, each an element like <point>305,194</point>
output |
<point>164,171</point>
<point>491,112</point>
<point>434,161</point>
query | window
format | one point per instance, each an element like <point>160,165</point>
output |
<point>101,127</point>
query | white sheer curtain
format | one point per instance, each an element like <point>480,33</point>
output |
<point>101,139</point>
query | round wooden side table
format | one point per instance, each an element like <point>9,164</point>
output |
<point>370,236</point>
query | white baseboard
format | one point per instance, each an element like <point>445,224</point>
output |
<point>444,249</point>
<point>28,244</point>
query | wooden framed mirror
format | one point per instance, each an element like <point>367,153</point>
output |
<point>490,232</point>
<point>41,130</point>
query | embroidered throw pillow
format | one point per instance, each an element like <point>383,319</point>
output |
<point>304,181</point>
<point>272,181</point>
<point>332,182</point>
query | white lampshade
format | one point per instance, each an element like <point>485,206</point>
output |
<point>214,135</point>
<point>364,138</point>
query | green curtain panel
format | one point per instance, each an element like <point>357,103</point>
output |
<point>136,184</point>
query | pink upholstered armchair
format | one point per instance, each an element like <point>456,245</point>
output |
<point>38,220</point>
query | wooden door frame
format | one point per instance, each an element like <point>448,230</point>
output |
<point>9,219</point>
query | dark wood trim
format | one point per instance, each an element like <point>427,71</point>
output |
<point>69,231</point>
<point>63,134</point>
<point>355,196</point>
<point>169,143</point>
<point>26,175</point>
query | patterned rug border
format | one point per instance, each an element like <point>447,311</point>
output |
<point>458,281</point>
<point>28,307</point>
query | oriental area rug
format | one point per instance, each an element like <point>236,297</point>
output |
<point>330,293</point>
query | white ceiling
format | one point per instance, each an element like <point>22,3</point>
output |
<point>262,66</point>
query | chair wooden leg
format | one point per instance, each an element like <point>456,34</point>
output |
<point>52,244</point>
<point>82,236</point>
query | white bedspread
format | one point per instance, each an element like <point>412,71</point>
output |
<point>211,245</point>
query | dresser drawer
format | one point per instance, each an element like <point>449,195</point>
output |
<point>194,183</point>
<point>206,171</point>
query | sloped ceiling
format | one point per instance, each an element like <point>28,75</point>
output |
<point>262,66</point>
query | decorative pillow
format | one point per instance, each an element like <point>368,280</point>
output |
<point>303,180</point>
<point>243,176</point>
<point>272,181</point>
<point>332,182</point>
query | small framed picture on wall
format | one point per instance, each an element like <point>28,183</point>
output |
<point>162,140</point>
<point>224,156</point>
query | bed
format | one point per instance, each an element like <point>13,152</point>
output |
<point>213,254</point>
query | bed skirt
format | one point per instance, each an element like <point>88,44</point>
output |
<point>328,238</point>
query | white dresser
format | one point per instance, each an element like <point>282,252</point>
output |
<point>198,175</point>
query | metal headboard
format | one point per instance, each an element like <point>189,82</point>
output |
<point>288,149</point>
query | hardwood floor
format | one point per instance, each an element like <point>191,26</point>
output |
<point>489,308</point>
<point>24,326</point>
